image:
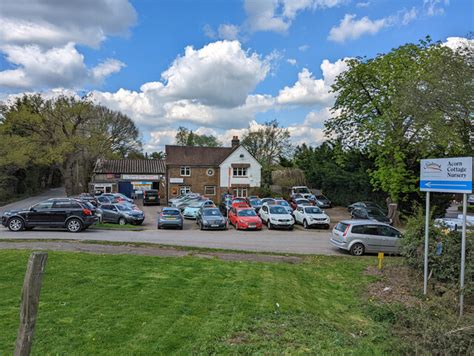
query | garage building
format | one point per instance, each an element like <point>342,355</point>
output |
<point>129,176</point>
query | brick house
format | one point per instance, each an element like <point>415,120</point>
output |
<point>211,171</point>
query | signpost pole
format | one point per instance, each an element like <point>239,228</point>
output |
<point>463,254</point>
<point>427,233</point>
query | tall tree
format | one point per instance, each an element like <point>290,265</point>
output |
<point>65,131</point>
<point>413,102</point>
<point>269,144</point>
<point>157,155</point>
<point>186,137</point>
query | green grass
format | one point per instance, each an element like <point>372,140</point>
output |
<point>122,304</point>
<point>108,226</point>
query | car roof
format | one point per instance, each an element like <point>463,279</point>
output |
<point>364,222</point>
<point>169,208</point>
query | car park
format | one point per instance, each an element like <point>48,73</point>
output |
<point>362,236</point>
<point>151,197</point>
<point>170,217</point>
<point>322,201</point>
<point>118,197</point>
<point>311,216</point>
<point>121,214</point>
<point>370,213</point>
<point>181,205</point>
<point>244,219</point>
<point>285,204</point>
<point>210,218</point>
<point>276,216</point>
<point>191,211</point>
<point>71,214</point>
<point>300,202</point>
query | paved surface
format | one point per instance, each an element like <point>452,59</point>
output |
<point>300,242</point>
<point>28,202</point>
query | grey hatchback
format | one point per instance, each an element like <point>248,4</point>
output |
<point>361,236</point>
<point>170,217</point>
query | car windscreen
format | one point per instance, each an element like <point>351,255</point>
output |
<point>375,212</point>
<point>170,212</point>
<point>255,202</point>
<point>43,205</point>
<point>313,210</point>
<point>341,227</point>
<point>282,202</point>
<point>278,210</point>
<point>211,212</point>
<point>246,212</point>
<point>302,202</point>
<point>123,207</point>
<point>302,190</point>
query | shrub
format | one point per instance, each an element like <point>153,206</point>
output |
<point>470,208</point>
<point>446,267</point>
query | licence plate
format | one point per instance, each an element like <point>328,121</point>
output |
<point>169,218</point>
<point>214,225</point>
<point>252,225</point>
<point>151,198</point>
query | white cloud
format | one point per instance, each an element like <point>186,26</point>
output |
<point>292,61</point>
<point>435,7</point>
<point>311,91</point>
<point>318,117</point>
<point>409,16</point>
<point>228,32</point>
<point>350,28</point>
<point>39,38</point>
<point>262,16</point>
<point>363,4</point>
<point>303,48</point>
<point>456,43</point>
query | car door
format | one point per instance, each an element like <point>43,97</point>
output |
<point>59,212</point>
<point>298,214</point>
<point>109,213</point>
<point>390,238</point>
<point>369,235</point>
<point>40,213</point>
<point>264,213</point>
<point>232,216</point>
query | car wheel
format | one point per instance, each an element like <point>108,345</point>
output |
<point>290,228</point>
<point>15,224</point>
<point>305,224</point>
<point>327,227</point>
<point>122,221</point>
<point>201,227</point>
<point>181,227</point>
<point>74,225</point>
<point>159,227</point>
<point>357,249</point>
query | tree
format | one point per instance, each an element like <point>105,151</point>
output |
<point>157,155</point>
<point>413,102</point>
<point>66,132</point>
<point>268,144</point>
<point>186,137</point>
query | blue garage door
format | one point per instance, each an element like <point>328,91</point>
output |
<point>125,188</point>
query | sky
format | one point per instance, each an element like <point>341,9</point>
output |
<point>217,67</point>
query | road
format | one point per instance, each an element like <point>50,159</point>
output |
<point>26,203</point>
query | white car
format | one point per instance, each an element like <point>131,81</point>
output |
<point>455,224</point>
<point>310,216</point>
<point>191,211</point>
<point>284,204</point>
<point>276,216</point>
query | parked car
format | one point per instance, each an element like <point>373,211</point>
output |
<point>300,202</point>
<point>71,214</point>
<point>238,203</point>
<point>211,219</point>
<point>276,216</point>
<point>455,224</point>
<point>268,201</point>
<point>87,197</point>
<point>254,203</point>
<point>151,197</point>
<point>170,217</point>
<point>190,212</point>
<point>121,214</point>
<point>118,197</point>
<point>224,206</point>
<point>322,202</point>
<point>284,204</point>
<point>181,205</point>
<point>105,200</point>
<point>363,204</point>
<point>303,190</point>
<point>180,198</point>
<point>370,214</point>
<point>361,236</point>
<point>311,216</point>
<point>245,219</point>
<point>470,199</point>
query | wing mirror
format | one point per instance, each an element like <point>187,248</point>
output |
<point>32,209</point>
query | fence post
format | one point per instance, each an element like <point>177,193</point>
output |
<point>29,302</point>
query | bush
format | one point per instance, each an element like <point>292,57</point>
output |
<point>446,267</point>
<point>470,208</point>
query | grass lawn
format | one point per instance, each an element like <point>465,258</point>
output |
<point>108,226</point>
<point>122,304</point>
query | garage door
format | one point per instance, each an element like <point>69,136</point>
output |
<point>125,188</point>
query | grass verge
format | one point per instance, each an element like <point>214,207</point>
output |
<point>116,304</point>
<point>126,227</point>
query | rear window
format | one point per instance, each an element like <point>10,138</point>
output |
<point>151,192</point>
<point>171,212</point>
<point>341,227</point>
<point>66,205</point>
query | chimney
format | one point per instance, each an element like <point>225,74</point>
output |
<point>235,141</point>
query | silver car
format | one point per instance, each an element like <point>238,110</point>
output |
<point>361,236</point>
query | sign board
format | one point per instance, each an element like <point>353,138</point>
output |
<point>140,177</point>
<point>177,180</point>
<point>446,175</point>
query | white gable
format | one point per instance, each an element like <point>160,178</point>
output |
<point>240,156</point>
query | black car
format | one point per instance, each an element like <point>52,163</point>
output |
<point>121,214</point>
<point>71,214</point>
<point>210,219</point>
<point>86,197</point>
<point>322,202</point>
<point>363,204</point>
<point>151,196</point>
<point>225,206</point>
<point>370,214</point>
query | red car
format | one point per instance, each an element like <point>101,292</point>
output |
<point>245,219</point>
<point>240,203</point>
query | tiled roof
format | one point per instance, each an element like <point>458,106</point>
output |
<point>130,166</point>
<point>196,156</point>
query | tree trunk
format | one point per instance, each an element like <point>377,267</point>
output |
<point>393,212</point>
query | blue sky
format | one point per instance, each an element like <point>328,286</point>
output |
<point>247,60</point>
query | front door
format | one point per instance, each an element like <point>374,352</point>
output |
<point>40,213</point>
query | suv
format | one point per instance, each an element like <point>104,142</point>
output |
<point>71,214</point>
<point>121,214</point>
<point>360,236</point>
<point>151,196</point>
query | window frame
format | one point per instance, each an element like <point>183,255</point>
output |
<point>187,171</point>
<point>239,172</point>
<point>185,189</point>
<point>210,186</point>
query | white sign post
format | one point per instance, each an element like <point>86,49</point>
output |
<point>446,175</point>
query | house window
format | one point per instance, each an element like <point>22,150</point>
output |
<point>185,171</point>
<point>240,192</point>
<point>240,172</point>
<point>210,190</point>
<point>184,190</point>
